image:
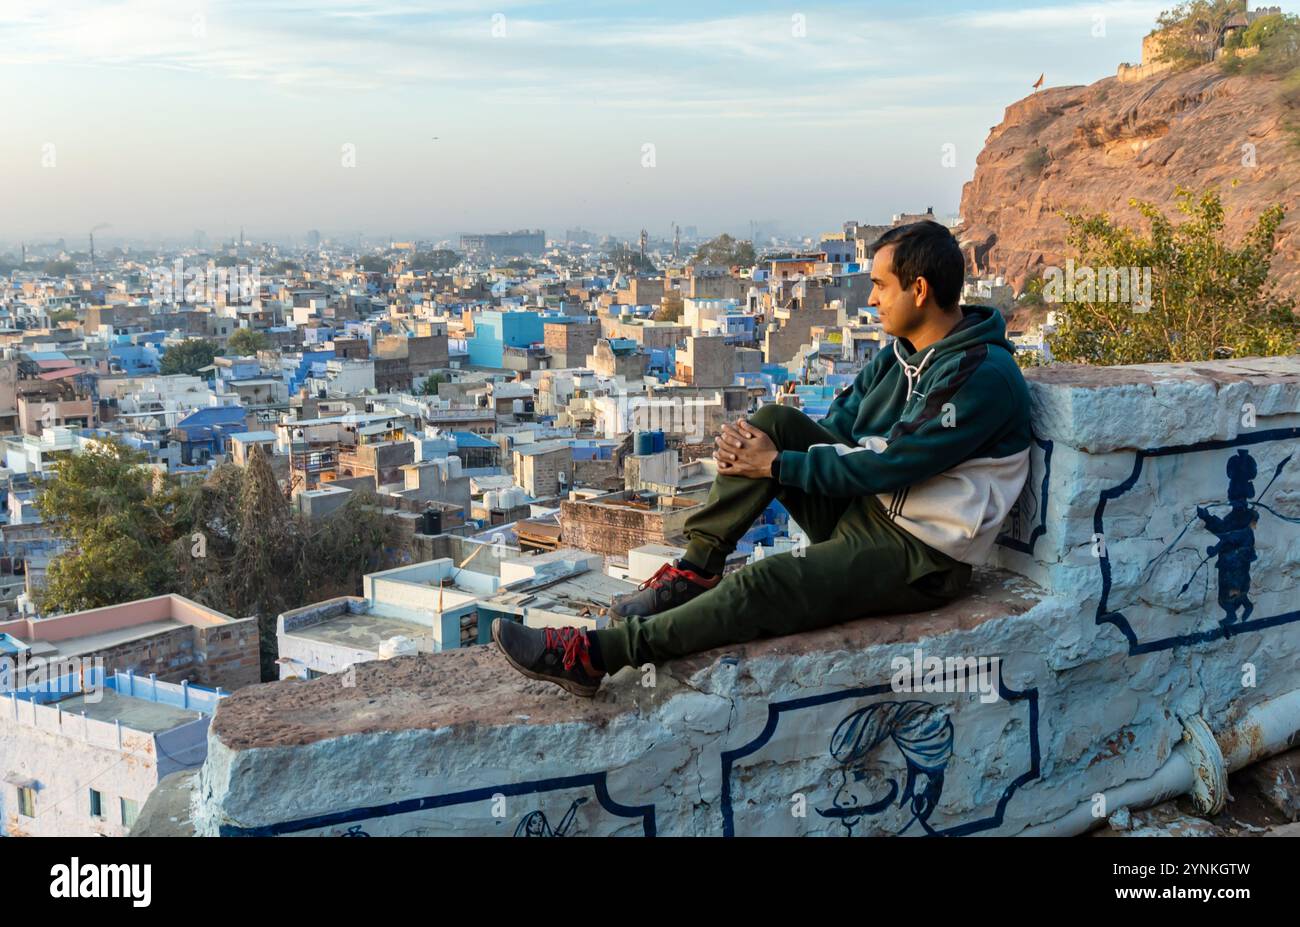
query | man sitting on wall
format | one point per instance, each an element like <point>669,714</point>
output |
<point>899,490</point>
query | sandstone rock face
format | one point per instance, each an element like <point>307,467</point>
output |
<point>1110,141</point>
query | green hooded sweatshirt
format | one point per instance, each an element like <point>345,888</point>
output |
<point>941,437</point>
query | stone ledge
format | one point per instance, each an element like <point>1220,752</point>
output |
<point>1102,409</point>
<point>475,685</point>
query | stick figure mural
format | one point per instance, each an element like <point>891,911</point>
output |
<point>1244,541</point>
<point>1234,551</point>
<point>921,731</point>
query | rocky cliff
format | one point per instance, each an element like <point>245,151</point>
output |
<point>1092,148</point>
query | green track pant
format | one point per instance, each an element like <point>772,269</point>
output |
<point>855,562</point>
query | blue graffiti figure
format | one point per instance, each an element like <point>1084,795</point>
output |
<point>921,731</point>
<point>354,831</point>
<point>534,824</point>
<point>1235,531</point>
<point>1235,550</point>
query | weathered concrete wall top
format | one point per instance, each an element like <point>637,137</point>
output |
<point>1100,409</point>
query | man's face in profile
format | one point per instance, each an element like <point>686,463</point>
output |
<point>899,313</point>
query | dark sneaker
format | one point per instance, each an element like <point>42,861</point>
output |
<point>557,655</point>
<point>669,587</point>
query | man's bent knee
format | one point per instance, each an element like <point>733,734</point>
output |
<point>770,418</point>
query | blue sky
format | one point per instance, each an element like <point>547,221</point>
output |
<point>171,115</point>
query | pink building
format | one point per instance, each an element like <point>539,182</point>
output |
<point>168,636</point>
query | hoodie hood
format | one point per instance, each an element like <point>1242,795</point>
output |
<point>979,325</point>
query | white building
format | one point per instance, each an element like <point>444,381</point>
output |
<point>78,758</point>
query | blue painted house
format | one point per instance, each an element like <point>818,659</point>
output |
<point>495,331</point>
<point>203,434</point>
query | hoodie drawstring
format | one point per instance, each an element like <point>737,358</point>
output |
<point>908,370</point>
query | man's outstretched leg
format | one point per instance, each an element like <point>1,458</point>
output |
<point>868,566</point>
<point>733,505</point>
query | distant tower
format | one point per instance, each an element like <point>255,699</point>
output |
<point>644,238</point>
<point>92,252</point>
<point>677,242</point>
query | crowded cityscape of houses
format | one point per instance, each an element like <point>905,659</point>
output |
<point>537,416</point>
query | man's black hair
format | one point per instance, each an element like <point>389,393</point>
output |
<point>926,249</point>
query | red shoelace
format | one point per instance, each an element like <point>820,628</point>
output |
<point>573,641</point>
<point>666,574</point>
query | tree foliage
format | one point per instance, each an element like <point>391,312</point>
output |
<point>630,261</point>
<point>670,310</point>
<point>1277,40</point>
<point>430,385</point>
<point>232,542</point>
<point>245,341</point>
<point>59,268</point>
<point>440,259</point>
<point>1189,33</point>
<point>725,251</point>
<point>187,357</point>
<point>104,501</point>
<point>1207,299</point>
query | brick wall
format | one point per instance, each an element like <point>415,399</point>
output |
<point>227,655</point>
<point>606,529</point>
<point>223,655</point>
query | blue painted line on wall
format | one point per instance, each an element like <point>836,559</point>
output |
<point>597,781</point>
<point>1027,547</point>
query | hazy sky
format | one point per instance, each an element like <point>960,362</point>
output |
<point>165,116</point>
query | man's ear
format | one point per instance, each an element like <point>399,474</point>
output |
<point>920,291</point>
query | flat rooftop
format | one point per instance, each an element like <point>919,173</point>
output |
<point>92,643</point>
<point>581,594</point>
<point>138,714</point>
<point>365,632</point>
<point>647,502</point>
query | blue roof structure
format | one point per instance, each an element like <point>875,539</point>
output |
<point>200,425</point>
<point>213,415</point>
